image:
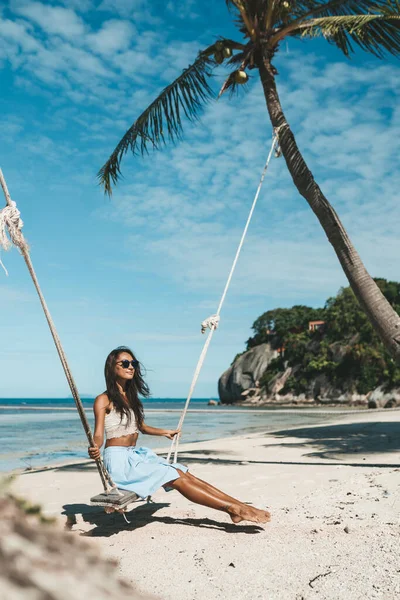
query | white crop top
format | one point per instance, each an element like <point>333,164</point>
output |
<point>116,425</point>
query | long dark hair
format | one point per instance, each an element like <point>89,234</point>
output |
<point>134,387</point>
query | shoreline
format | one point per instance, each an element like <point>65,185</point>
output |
<point>304,408</point>
<point>193,445</point>
<point>219,440</point>
<point>68,443</point>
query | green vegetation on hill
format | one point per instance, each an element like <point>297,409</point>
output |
<point>346,350</point>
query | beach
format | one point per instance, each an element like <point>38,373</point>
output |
<point>333,491</point>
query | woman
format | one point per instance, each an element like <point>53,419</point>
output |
<point>119,414</point>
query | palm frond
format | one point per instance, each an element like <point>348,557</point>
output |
<point>312,8</point>
<point>245,10</point>
<point>162,120</point>
<point>302,11</point>
<point>375,33</point>
<point>271,9</point>
<point>233,7</point>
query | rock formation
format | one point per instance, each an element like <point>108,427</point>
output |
<point>381,399</point>
<point>240,384</point>
<point>245,373</point>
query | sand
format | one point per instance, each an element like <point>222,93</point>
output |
<point>334,494</point>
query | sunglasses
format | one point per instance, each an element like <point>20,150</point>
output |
<point>125,363</point>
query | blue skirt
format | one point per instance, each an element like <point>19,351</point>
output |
<point>139,470</point>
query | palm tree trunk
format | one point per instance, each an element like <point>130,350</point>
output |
<point>383,317</point>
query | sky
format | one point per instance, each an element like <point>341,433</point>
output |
<point>147,266</point>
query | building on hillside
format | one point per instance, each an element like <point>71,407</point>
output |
<point>314,325</point>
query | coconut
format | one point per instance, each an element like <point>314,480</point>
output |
<point>241,76</point>
<point>286,4</point>
<point>219,57</point>
<point>227,52</point>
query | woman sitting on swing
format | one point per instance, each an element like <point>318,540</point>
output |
<point>119,414</point>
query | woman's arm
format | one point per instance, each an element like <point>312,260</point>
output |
<point>169,433</point>
<point>99,409</point>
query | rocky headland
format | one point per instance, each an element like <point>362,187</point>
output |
<point>240,384</point>
<point>306,356</point>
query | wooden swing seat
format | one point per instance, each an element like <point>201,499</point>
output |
<point>118,499</point>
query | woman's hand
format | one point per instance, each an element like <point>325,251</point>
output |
<point>94,452</point>
<point>171,433</point>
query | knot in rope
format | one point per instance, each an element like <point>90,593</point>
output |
<point>210,323</point>
<point>10,220</point>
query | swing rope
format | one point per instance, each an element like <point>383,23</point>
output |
<point>11,222</point>
<point>212,322</point>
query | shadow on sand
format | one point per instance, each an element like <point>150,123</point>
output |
<point>106,525</point>
<point>350,445</point>
<point>338,441</point>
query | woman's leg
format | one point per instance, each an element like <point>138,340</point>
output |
<point>194,491</point>
<point>212,489</point>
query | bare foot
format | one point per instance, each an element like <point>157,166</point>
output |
<point>248,513</point>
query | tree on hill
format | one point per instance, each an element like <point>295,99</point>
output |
<point>347,351</point>
<point>371,25</point>
<point>345,318</point>
<point>281,322</point>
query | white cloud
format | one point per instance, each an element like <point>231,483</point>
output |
<point>137,10</point>
<point>54,20</point>
<point>151,11</point>
<point>85,66</point>
<point>115,35</point>
<point>184,9</point>
<point>135,63</point>
<point>44,146</point>
<point>55,62</point>
<point>17,32</point>
<point>10,127</point>
<point>81,61</point>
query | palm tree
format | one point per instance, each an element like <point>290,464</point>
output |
<point>372,25</point>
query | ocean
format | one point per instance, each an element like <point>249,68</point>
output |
<point>36,432</point>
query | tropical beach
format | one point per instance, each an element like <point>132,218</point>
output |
<point>201,209</point>
<point>333,491</point>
